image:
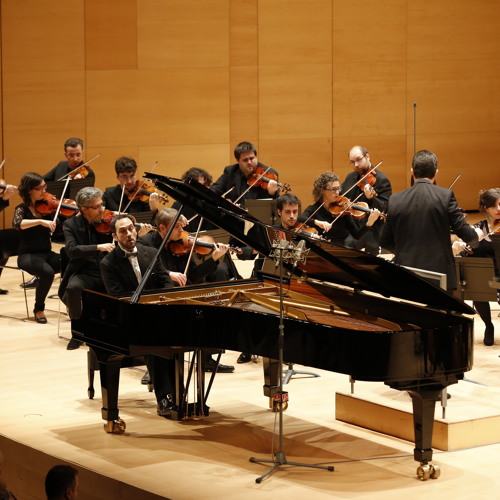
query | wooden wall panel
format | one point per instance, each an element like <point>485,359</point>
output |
<point>110,34</point>
<point>157,107</point>
<point>180,34</point>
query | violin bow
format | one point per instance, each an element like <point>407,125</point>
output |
<point>364,177</point>
<point>2,164</point>
<point>137,190</point>
<point>61,200</point>
<point>456,179</point>
<point>192,248</point>
<point>349,204</point>
<point>79,166</point>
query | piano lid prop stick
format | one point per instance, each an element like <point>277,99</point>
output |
<point>137,294</point>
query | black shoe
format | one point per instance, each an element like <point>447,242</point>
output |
<point>40,317</point>
<point>30,284</point>
<point>3,292</point>
<point>145,379</point>
<point>165,406</point>
<point>210,366</point>
<point>73,344</point>
<point>489,335</point>
<point>244,357</point>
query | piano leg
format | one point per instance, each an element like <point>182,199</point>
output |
<point>110,378</point>
<point>424,402</point>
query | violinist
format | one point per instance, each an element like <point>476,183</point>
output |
<point>73,151</point>
<point>85,247</point>
<point>237,177</point>
<point>116,198</point>
<point>175,264</point>
<point>35,253</point>
<point>122,270</point>
<point>375,190</point>
<point>419,220</point>
<point>322,216</point>
<point>489,202</point>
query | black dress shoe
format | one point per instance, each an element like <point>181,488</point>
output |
<point>244,357</point>
<point>165,406</point>
<point>30,284</point>
<point>210,366</point>
<point>73,344</point>
<point>3,291</point>
<point>40,317</point>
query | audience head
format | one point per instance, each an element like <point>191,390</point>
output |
<point>61,483</point>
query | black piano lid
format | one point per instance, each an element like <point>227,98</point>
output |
<point>325,262</point>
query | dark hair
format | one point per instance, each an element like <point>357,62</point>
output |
<point>244,147</point>
<point>29,181</point>
<point>195,173</point>
<point>424,164</point>
<point>287,199</point>
<point>488,198</point>
<point>125,164</point>
<point>320,184</point>
<point>119,217</point>
<point>58,480</point>
<point>73,142</point>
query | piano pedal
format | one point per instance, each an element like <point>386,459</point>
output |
<point>426,471</point>
<point>277,399</point>
<point>115,426</point>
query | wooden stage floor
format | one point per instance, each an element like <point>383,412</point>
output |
<point>46,419</point>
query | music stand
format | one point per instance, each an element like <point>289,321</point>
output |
<point>284,251</point>
<point>56,188</point>
<point>263,209</point>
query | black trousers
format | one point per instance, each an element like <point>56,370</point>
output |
<point>72,295</point>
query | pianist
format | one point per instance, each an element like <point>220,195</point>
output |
<point>122,271</point>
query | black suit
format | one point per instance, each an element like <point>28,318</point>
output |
<point>81,240</point>
<point>62,168</point>
<point>418,226</point>
<point>119,278</point>
<point>111,199</point>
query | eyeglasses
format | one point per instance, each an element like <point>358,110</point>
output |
<point>96,207</point>
<point>356,160</point>
<point>40,188</point>
<point>126,177</point>
<point>334,189</point>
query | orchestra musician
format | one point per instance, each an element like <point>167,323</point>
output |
<point>419,219</point>
<point>332,226</point>
<point>122,270</point>
<point>176,264</point>
<point>5,194</point>
<point>85,247</point>
<point>375,190</point>
<point>489,202</point>
<point>116,198</point>
<point>73,151</point>
<point>35,253</point>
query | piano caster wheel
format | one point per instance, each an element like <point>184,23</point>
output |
<point>426,471</point>
<point>115,426</point>
<point>274,405</point>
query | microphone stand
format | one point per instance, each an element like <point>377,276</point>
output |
<point>283,250</point>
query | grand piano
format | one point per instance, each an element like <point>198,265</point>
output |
<point>342,310</point>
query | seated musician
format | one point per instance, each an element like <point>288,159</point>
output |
<point>5,193</point>
<point>326,194</point>
<point>85,247</point>
<point>489,202</point>
<point>176,263</point>
<point>122,271</point>
<point>125,197</point>
<point>73,151</point>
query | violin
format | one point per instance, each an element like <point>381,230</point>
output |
<point>49,205</point>
<point>82,170</point>
<point>344,206</point>
<point>104,225</point>
<point>300,227</point>
<point>258,179</point>
<point>142,193</point>
<point>368,180</point>
<point>203,245</point>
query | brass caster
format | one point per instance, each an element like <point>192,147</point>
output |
<point>435,472</point>
<point>424,472</point>
<point>115,426</point>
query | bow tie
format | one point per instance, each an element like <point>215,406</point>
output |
<point>131,254</point>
